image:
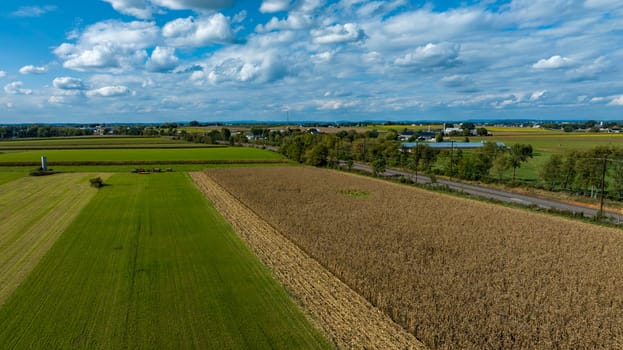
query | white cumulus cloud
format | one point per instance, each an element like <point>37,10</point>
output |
<point>110,91</point>
<point>68,83</point>
<point>554,62</point>
<point>30,69</point>
<point>109,45</point>
<point>195,32</point>
<point>269,6</point>
<point>15,88</point>
<point>617,101</point>
<point>2,74</point>
<point>137,8</point>
<point>338,33</point>
<point>335,104</point>
<point>537,95</point>
<point>198,5</point>
<point>431,55</point>
<point>162,60</point>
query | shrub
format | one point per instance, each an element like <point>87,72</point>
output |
<point>96,182</point>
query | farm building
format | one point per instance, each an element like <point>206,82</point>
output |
<point>420,136</point>
<point>450,145</point>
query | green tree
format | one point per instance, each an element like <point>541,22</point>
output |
<point>568,169</point>
<point>317,155</point>
<point>225,134</point>
<point>429,157</point>
<point>468,126</point>
<point>589,169</point>
<point>552,171</point>
<point>519,153</point>
<point>378,166</point>
<point>501,164</point>
<point>616,174</point>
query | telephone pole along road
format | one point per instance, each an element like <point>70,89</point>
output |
<point>499,195</point>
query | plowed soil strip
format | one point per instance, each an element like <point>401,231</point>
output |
<point>348,318</point>
<point>34,212</point>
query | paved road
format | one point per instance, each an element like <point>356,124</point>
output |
<point>503,196</point>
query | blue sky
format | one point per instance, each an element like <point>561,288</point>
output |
<point>227,60</point>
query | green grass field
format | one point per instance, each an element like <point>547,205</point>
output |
<point>91,141</point>
<point>10,176</point>
<point>127,155</point>
<point>34,212</point>
<point>150,264</point>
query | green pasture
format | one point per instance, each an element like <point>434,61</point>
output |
<point>150,264</point>
<point>143,155</point>
<point>98,142</point>
<point>553,141</point>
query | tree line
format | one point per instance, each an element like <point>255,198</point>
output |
<point>383,151</point>
<point>586,172</point>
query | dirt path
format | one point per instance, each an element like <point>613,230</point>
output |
<point>350,320</point>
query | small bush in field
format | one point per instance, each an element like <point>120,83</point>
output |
<point>96,182</point>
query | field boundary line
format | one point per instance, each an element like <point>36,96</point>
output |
<point>348,318</point>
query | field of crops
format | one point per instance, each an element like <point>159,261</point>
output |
<point>349,319</point>
<point>149,264</point>
<point>97,142</point>
<point>454,272</point>
<point>142,155</point>
<point>34,212</point>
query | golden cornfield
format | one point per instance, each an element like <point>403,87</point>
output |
<point>454,272</point>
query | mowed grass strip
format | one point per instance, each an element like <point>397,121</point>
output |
<point>150,264</point>
<point>33,214</point>
<point>143,155</point>
<point>10,176</point>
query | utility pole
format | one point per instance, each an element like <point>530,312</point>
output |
<point>603,187</point>
<point>451,157</point>
<point>417,155</point>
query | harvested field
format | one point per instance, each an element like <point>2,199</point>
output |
<point>351,321</point>
<point>456,273</point>
<point>34,212</point>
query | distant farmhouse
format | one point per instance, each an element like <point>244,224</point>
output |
<point>416,136</point>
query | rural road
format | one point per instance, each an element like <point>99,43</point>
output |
<point>490,193</point>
